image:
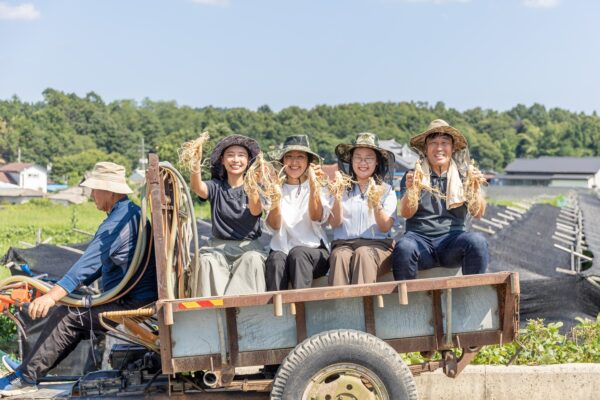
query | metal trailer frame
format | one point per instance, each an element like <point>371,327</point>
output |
<point>293,304</point>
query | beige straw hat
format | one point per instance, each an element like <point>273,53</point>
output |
<point>108,176</point>
<point>439,126</point>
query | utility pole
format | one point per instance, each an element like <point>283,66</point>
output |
<point>18,154</point>
<point>143,161</point>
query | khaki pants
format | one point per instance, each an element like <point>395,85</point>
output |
<point>230,267</point>
<point>359,261</point>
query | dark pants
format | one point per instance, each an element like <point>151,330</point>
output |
<point>66,327</point>
<point>414,252</point>
<point>299,267</point>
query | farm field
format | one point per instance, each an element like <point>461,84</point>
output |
<point>21,222</point>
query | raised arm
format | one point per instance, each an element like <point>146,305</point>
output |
<point>273,219</point>
<point>336,217</point>
<point>196,183</point>
<point>406,184</point>
<point>315,207</point>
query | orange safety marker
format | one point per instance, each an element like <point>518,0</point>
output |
<point>187,305</point>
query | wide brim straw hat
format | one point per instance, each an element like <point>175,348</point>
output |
<point>234,140</point>
<point>367,140</point>
<point>439,126</point>
<point>295,143</point>
<point>108,176</point>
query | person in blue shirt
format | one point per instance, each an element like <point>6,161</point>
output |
<point>108,256</point>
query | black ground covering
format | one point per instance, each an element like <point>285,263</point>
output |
<point>44,259</point>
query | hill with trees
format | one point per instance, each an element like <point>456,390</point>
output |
<point>73,132</point>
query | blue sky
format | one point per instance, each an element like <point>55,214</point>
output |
<point>227,53</point>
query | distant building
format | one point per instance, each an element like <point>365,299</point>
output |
<point>404,155</point>
<point>19,195</point>
<point>553,172</point>
<point>25,176</point>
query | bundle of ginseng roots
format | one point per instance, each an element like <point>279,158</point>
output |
<point>471,187</point>
<point>190,153</point>
<point>266,178</point>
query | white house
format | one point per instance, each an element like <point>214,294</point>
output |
<point>25,176</point>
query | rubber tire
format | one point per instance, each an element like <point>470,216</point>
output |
<point>338,346</point>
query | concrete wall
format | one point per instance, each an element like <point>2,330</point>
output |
<point>478,382</point>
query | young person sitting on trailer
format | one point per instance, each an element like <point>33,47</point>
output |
<point>363,215</point>
<point>436,199</point>
<point>234,261</point>
<point>299,245</point>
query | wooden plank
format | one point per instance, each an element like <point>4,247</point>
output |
<point>438,318</point>
<point>369,315</point>
<point>510,317</point>
<point>300,322</point>
<point>232,335</point>
<point>154,184</point>
<point>342,292</point>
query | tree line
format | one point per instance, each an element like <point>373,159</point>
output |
<point>72,132</point>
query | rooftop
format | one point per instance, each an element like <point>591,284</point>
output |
<point>15,167</point>
<point>555,165</point>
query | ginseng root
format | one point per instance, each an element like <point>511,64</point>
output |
<point>190,153</point>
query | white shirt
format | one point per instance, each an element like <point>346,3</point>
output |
<point>358,220</point>
<point>297,229</point>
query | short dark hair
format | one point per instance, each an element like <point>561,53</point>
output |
<point>439,134</point>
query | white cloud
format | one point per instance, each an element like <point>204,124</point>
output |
<point>22,12</point>
<point>219,3</point>
<point>541,3</point>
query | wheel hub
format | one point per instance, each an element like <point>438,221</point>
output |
<point>346,381</point>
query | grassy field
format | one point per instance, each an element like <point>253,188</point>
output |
<point>21,222</point>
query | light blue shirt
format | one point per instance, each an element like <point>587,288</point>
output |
<point>358,220</point>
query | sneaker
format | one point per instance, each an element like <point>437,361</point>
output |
<point>17,387</point>
<point>10,364</point>
<point>7,379</point>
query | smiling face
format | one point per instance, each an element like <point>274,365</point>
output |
<point>295,163</point>
<point>235,160</point>
<point>364,162</point>
<point>439,149</point>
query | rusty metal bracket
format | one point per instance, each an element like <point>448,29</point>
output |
<point>453,365</point>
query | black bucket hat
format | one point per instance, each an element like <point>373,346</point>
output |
<point>234,140</point>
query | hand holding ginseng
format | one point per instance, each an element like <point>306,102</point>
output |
<point>316,177</point>
<point>341,183</point>
<point>263,177</point>
<point>190,153</point>
<point>410,179</point>
<point>374,194</point>
<point>472,188</point>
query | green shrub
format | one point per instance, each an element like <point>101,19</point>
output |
<point>540,344</point>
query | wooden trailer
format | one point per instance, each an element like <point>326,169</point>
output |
<point>330,341</point>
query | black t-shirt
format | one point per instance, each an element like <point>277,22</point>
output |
<point>231,217</point>
<point>432,218</point>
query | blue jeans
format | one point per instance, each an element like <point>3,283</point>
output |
<point>414,252</point>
